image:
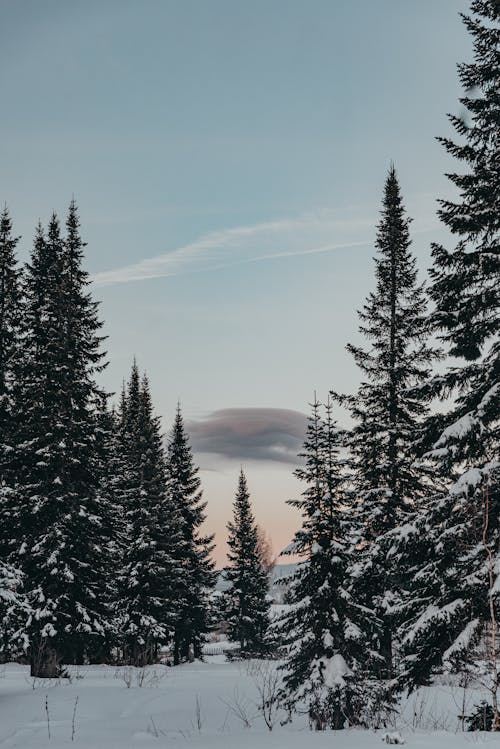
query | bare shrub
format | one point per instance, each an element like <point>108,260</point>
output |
<point>267,680</point>
<point>240,707</point>
<point>144,677</point>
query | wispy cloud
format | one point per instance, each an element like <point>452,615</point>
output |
<point>307,234</point>
<point>263,434</point>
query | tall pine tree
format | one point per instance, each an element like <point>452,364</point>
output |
<point>198,578</point>
<point>247,596</point>
<point>59,512</point>
<point>331,641</point>
<point>112,530</point>
<point>456,592</point>
<point>10,348</point>
<point>151,529</point>
<point>387,412</point>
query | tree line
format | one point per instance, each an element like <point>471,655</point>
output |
<point>102,551</point>
<point>101,526</point>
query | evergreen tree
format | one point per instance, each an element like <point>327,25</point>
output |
<point>387,413</point>
<point>12,610</point>
<point>57,519</point>
<point>331,640</point>
<point>9,582</point>
<point>198,578</point>
<point>455,593</point>
<point>151,535</point>
<point>112,531</point>
<point>10,320</point>
<point>247,601</point>
<point>121,486</point>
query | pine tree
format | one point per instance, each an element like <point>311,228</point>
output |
<point>247,602</point>
<point>9,582</point>
<point>330,639</point>
<point>17,521</point>
<point>112,531</point>
<point>10,319</point>
<point>198,577</point>
<point>12,611</point>
<point>388,412</point>
<point>57,527</point>
<point>10,323</point>
<point>151,532</point>
<point>121,486</point>
<point>456,596</point>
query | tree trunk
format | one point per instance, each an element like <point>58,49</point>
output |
<point>177,658</point>
<point>386,651</point>
<point>45,661</point>
<point>493,621</point>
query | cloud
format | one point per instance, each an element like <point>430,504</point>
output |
<point>309,233</point>
<point>306,234</point>
<point>269,434</point>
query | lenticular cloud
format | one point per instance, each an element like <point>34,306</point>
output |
<point>269,434</point>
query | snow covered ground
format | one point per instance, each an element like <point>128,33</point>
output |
<point>203,705</point>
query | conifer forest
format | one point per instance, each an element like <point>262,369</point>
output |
<point>380,619</point>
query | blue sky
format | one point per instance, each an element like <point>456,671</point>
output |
<point>228,160</point>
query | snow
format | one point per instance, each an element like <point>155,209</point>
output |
<point>188,707</point>
<point>459,429</point>
<point>434,614</point>
<point>470,478</point>
<point>406,531</point>
<point>496,585</point>
<point>334,670</point>
<point>9,581</point>
<point>292,548</point>
<point>352,631</point>
<point>463,640</point>
<point>473,477</point>
<point>489,396</point>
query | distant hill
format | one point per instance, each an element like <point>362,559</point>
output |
<point>277,587</point>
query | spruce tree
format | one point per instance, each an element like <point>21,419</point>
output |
<point>150,535</point>
<point>387,412</point>
<point>247,597</point>
<point>331,641</point>
<point>121,486</point>
<point>57,524</point>
<point>198,578</point>
<point>9,582</point>
<point>10,348</point>
<point>456,597</point>
<point>10,318</point>
<point>12,611</point>
<point>112,531</point>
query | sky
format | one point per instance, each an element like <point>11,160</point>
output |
<point>228,160</point>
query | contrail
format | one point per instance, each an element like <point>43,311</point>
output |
<point>242,244</point>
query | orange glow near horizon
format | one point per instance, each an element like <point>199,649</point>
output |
<point>270,485</point>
